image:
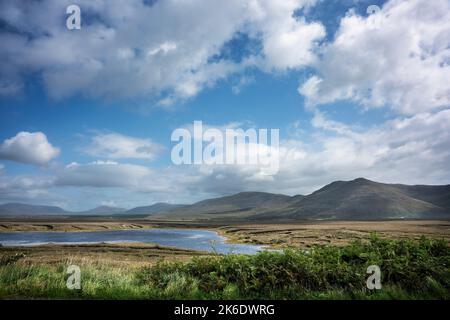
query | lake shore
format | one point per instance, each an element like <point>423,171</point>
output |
<point>301,234</point>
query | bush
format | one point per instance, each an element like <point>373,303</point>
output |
<point>418,268</point>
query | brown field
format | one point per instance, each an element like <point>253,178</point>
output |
<point>305,234</point>
<point>115,255</point>
<point>11,226</point>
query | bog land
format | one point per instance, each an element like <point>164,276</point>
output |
<point>315,260</point>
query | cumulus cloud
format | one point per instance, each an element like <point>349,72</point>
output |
<point>24,182</point>
<point>412,149</point>
<point>163,50</point>
<point>26,188</point>
<point>288,41</point>
<point>398,57</point>
<point>101,174</point>
<point>28,147</point>
<point>117,146</point>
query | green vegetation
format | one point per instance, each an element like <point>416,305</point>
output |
<point>410,270</point>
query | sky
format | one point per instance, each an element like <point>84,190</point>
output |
<point>86,116</point>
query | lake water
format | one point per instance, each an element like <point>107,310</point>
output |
<point>179,238</point>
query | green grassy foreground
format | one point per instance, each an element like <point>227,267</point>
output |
<point>410,270</point>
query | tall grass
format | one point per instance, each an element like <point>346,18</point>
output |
<point>410,270</point>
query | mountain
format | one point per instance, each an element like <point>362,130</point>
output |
<point>103,210</point>
<point>238,205</point>
<point>20,209</point>
<point>362,199</point>
<point>160,207</point>
<point>239,202</point>
<point>438,195</point>
<point>359,199</point>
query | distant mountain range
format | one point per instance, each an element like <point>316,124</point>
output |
<point>359,199</point>
<point>20,209</point>
<point>31,210</point>
<point>159,207</point>
<point>103,210</point>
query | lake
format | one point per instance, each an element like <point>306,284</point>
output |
<point>180,238</point>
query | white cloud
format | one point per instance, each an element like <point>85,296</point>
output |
<point>288,41</point>
<point>23,188</point>
<point>118,146</point>
<point>24,182</point>
<point>102,174</point>
<point>242,82</point>
<point>412,150</point>
<point>399,57</point>
<point>28,147</point>
<point>112,174</point>
<point>131,49</point>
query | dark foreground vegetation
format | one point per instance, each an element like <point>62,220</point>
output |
<point>410,270</point>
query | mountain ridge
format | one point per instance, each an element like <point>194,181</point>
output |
<point>358,199</point>
<point>158,207</point>
<point>363,199</point>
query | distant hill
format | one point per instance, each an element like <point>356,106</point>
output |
<point>26,210</point>
<point>103,210</point>
<point>159,207</point>
<point>239,202</point>
<point>239,205</point>
<point>20,209</point>
<point>359,199</point>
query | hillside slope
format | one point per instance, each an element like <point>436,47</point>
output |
<point>103,210</point>
<point>159,207</point>
<point>362,199</point>
<point>238,205</point>
<point>359,199</point>
<point>20,209</point>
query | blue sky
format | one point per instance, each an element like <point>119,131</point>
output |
<point>352,95</point>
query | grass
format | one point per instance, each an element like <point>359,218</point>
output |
<point>304,234</point>
<point>410,270</point>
